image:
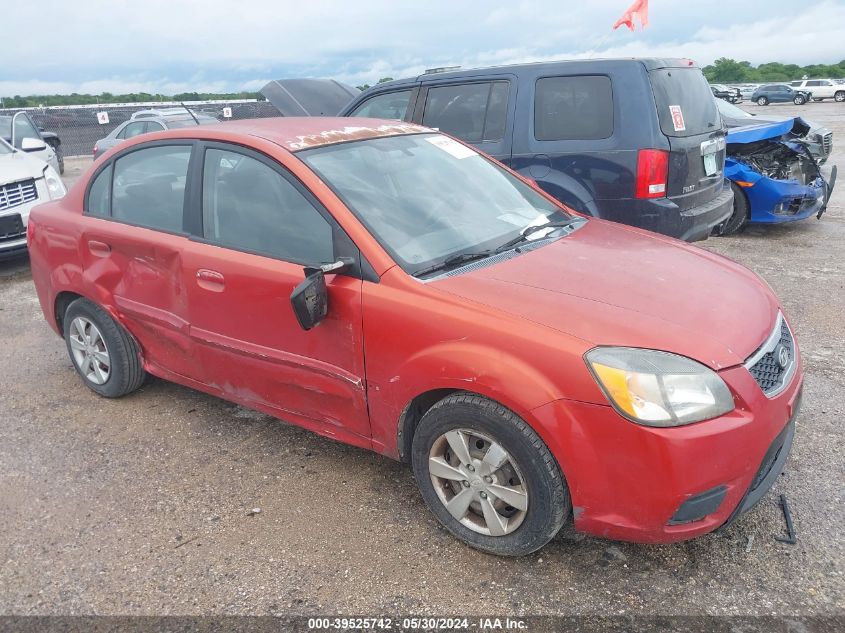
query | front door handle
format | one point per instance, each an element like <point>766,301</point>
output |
<point>210,280</point>
<point>100,249</point>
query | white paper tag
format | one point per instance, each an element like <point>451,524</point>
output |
<point>227,113</point>
<point>102,118</point>
<point>452,147</point>
<point>677,118</point>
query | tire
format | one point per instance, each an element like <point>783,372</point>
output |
<point>839,96</point>
<point>739,219</point>
<point>530,470</point>
<point>799,100</point>
<point>60,156</point>
<point>762,101</point>
<point>123,373</point>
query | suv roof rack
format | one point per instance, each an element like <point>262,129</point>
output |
<point>441,69</point>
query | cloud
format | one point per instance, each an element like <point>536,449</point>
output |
<point>166,46</point>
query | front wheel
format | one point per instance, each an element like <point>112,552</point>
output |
<point>799,100</point>
<point>762,101</point>
<point>839,96</point>
<point>60,156</point>
<point>488,477</point>
<point>102,352</point>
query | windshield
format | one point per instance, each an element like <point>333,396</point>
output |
<point>426,198</point>
<point>731,111</point>
<point>173,123</point>
<point>6,127</point>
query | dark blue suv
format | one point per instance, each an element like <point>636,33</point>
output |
<point>637,141</point>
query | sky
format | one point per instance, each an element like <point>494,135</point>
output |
<point>171,46</point>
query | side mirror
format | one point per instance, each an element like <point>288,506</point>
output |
<point>30,144</point>
<point>310,299</point>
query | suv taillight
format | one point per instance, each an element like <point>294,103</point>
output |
<point>95,150</point>
<point>652,173</point>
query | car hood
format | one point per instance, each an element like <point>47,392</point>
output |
<point>612,285</point>
<point>762,131</point>
<point>20,166</point>
<point>309,97</point>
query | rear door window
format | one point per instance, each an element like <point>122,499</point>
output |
<point>149,187</point>
<point>133,129</point>
<point>573,108</point>
<point>388,105</point>
<point>474,112</point>
<point>685,105</point>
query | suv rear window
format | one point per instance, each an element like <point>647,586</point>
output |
<point>684,91</point>
<point>573,108</point>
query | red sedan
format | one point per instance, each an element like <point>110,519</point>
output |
<point>389,287</point>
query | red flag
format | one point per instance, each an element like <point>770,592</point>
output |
<point>637,10</point>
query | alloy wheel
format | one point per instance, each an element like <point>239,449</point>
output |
<point>89,351</point>
<point>478,482</point>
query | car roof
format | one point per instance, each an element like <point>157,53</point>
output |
<point>298,133</point>
<point>650,63</point>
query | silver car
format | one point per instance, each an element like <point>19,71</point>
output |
<point>145,121</point>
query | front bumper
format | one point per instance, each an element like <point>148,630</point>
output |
<point>14,244</point>
<point>776,201</point>
<point>628,481</point>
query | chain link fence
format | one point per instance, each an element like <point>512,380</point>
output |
<point>79,127</point>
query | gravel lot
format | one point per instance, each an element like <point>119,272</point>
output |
<point>142,505</point>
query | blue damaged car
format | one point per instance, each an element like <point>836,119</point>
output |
<point>776,173</point>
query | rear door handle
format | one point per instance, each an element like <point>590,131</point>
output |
<point>210,280</point>
<point>100,249</point>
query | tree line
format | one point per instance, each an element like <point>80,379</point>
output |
<point>729,71</point>
<point>34,101</point>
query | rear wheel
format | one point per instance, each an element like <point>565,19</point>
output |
<point>799,100</point>
<point>839,96</point>
<point>740,216</point>
<point>762,101</point>
<point>102,352</point>
<point>488,477</point>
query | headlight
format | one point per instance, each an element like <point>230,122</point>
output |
<point>657,388</point>
<point>55,186</point>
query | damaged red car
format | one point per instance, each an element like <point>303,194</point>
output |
<point>390,287</point>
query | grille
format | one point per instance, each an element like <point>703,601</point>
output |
<point>11,228</point>
<point>17,193</point>
<point>765,365</point>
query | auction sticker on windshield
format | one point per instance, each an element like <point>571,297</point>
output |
<point>677,118</point>
<point>451,146</point>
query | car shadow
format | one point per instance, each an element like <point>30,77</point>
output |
<point>13,266</point>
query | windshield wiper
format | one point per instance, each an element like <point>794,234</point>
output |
<point>530,230</point>
<point>453,262</point>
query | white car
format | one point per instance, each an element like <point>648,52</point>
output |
<point>25,181</point>
<point>821,88</point>
<point>17,129</point>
